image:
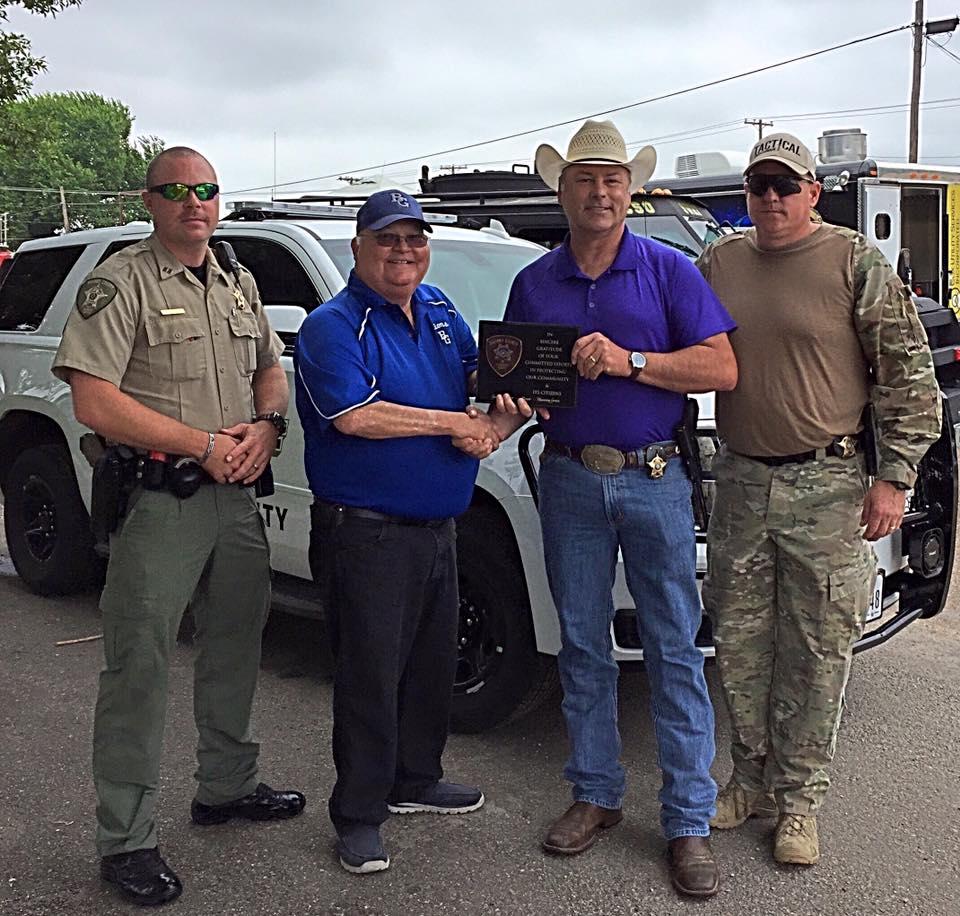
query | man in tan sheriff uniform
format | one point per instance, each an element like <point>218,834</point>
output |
<point>168,353</point>
<point>825,327</point>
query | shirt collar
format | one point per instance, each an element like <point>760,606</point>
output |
<point>371,297</point>
<point>627,257</point>
<point>168,265</point>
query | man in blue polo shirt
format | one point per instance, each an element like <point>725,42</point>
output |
<point>610,480</point>
<point>383,376</point>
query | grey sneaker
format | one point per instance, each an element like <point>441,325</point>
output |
<point>440,798</point>
<point>361,849</point>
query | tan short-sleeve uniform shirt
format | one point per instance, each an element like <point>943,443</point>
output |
<point>145,323</point>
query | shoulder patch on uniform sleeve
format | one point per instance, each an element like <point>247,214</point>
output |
<point>95,294</point>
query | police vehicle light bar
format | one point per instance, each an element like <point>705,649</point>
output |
<point>269,206</point>
<point>318,211</point>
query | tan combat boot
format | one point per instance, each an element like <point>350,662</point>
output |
<point>795,841</point>
<point>735,804</point>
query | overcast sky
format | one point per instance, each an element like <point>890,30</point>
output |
<point>346,84</point>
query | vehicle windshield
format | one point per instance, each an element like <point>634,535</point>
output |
<point>668,230</point>
<point>476,276</point>
<point>706,229</point>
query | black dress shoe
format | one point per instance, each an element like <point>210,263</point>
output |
<point>263,804</point>
<point>141,876</point>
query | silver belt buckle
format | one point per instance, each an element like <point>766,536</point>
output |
<point>602,459</point>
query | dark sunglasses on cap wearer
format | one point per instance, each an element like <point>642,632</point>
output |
<point>783,185</point>
<point>175,190</point>
<point>392,239</point>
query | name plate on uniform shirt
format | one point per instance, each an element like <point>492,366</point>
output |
<point>529,361</point>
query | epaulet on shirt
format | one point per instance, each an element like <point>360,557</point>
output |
<point>120,265</point>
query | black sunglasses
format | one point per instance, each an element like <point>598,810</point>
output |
<point>176,190</point>
<point>783,185</point>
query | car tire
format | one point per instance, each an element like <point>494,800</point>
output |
<point>500,675</point>
<point>46,524</point>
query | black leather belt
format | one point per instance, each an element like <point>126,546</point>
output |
<point>604,459</point>
<point>357,512</point>
<point>840,447</point>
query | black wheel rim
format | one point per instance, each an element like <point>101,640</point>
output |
<point>480,640</point>
<point>39,518</point>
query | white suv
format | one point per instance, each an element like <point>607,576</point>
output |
<point>301,258</point>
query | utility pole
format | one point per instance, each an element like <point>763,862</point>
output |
<point>914,137</point>
<point>922,30</point>
<point>759,123</point>
<point>63,210</point>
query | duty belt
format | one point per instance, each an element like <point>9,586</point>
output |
<point>603,459</point>
<point>841,447</point>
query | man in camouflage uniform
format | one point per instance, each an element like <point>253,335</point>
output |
<point>824,328</point>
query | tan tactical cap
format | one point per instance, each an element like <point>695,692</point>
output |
<point>785,148</point>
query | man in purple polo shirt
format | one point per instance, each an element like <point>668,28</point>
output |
<point>652,331</point>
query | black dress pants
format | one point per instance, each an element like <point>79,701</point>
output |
<point>390,592</point>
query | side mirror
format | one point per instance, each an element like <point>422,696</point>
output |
<point>285,319</point>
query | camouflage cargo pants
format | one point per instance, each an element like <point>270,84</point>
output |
<point>787,588</point>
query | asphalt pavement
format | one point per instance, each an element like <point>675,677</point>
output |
<point>890,832</point>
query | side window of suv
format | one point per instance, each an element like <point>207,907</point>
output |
<point>116,246</point>
<point>31,283</point>
<point>280,277</point>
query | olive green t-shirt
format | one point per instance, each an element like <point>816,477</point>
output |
<point>803,376</point>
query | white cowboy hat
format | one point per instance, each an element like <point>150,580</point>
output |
<point>596,143</point>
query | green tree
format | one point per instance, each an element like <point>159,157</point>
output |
<point>18,66</point>
<point>81,142</point>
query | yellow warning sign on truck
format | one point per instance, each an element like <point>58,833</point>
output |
<point>953,250</point>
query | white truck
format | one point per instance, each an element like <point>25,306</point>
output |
<point>300,257</point>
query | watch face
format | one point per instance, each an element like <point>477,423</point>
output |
<point>637,360</point>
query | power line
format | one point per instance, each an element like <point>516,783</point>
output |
<point>871,108</point>
<point>536,130</point>
<point>727,127</point>
<point>944,49</point>
<point>72,191</point>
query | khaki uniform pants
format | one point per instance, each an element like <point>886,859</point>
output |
<point>787,589</point>
<point>209,552</point>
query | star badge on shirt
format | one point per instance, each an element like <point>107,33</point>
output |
<point>94,295</point>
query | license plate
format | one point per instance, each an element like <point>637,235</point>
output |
<point>875,607</point>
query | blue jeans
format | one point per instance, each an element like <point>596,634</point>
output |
<point>585,518</point>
